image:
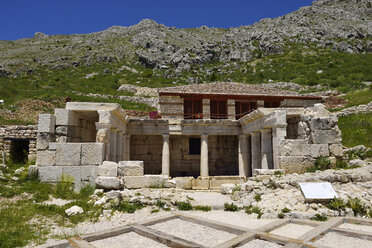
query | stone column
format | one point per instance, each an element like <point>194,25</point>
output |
<point>266,149</point>
<point>165,163</point>
<point>256,150</point>
<point>231,109</point>
<point>206,108</point>
<point>119,146</point>
<point>204,170</point>
<point>279,134</point>
<point>243,156</point>
<point>113,137</point>
<point>126,155</point>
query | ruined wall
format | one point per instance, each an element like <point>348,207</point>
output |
<point>223,155</point>
<point>147,148</point>
<point>182,163</point>
<point>171,107</point>
<point>317,135</point>
<point>298,103</point>
<point>10,133</point>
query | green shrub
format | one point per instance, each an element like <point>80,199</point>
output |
<point>337,204</point>
<point>278,173</point>
<point>64,188</point>
<point>257,197</point>
<point>203,208</point>
<point>357,206</point>
<point>320,217</point>
<point>155,211</point>
<point>286,210</point>
<point>321,163</point>
<point>184,206</point>
<point>281,215</point>
<point>125,206</point>
<point>257,211</point>
<point>231,207</point>
<point>342,164</point>
<point>248,209</point>
<point>235,189</point>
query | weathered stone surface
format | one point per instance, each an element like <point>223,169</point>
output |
<point>184,182</point>
<point>290,147</point>
<point>109,182</point>
<point>46,123</point>
<point>336,150</point>
<point>130,168</point>
<point>262,172</point>
<point>63,117</point>
<point>46,158</point>
<point>318,150</point>
<point>136,182</point>
<point>170,183</point>
<point>323,123</point>
<point>296,164</point>
<point>74,210</point>
<point>50,173</point>
<point>108,169</point>
<point>92,153</point>
<point>332,136</point>
<point>201,183</point>
<point>216,181</point>
<point>227,188</point>
<point>89,173</point>
<point>43,139</point>
<point>68,154</point>
<point>32,172</point>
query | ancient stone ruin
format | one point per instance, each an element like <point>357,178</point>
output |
<point>201,137</point>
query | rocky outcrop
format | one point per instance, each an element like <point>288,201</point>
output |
<point>360,109</point>
<point>332,24</point>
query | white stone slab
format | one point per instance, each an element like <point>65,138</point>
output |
<point>317,191</point>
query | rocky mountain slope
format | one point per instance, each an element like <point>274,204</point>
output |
<point>341,25</point>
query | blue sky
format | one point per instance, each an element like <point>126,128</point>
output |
<point>22,18</point>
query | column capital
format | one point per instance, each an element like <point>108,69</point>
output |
<point>204,136</point>
<point>165,136</point>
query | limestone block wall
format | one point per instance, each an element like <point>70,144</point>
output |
<point>223,155</point>
<point>147,148</point>
<point>317,135</point>
<point>171,107</point>
<point>182,163</point>
<point>298,103</point>
<point>10,133</point>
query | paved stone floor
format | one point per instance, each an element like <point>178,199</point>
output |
<point>187,230</point>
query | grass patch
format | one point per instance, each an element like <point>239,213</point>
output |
<point>320,217</point>
<point>184,206</point>
<point>356,129</point>
<point>126,207</point>
<point>321,163</point>
<point>257,197</point>
<point>203,208</point>
<point>230,207</point>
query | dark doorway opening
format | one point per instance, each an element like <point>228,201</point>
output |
<point>194,146</point>
<point>19,150</point>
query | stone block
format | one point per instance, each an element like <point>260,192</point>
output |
<point>50,174</point>
<point>109,182</point>
<point>130,168</point>
<point>295,164</point>
<point>46,123</point>
<point>184,182</point>
<point>290,147</point>
<point>200,183</point>
<point>227,188</point>
<point>89,173</point>
<point>332,136</point>
<point>43,140</point>
<point>108,169</point>
<point>336,150</point>
<point>68,154</point>
<point>217,181</point>
<point>46,158</point>
<point>92,153</point>
<point>318,150</point>
<point>52,146</point>
<point>146,181</point>
<point>74,172</point>
<point>64,117</point>
<point>323,123</point>
<point>267,172</point>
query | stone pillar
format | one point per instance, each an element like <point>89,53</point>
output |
<point>113,137</point>
<point>206,108</point>
<point>126,148</point>
<point>266,149</point>
<point>279,134</point>
<point>243,154</point>
<point>119,146</point>
<point>256,150</point>
<point>165,163</point>
<point>231,109</point>
<point>204,170</point>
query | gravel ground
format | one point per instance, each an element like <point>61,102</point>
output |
<point>356,227</point>
<point>258,243</point>
<point>233,218</point>
<point>292,230</point>
<point>335,240</point>
<point>131,240</point>
<point>214,199</point>
<point>193,232</point>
